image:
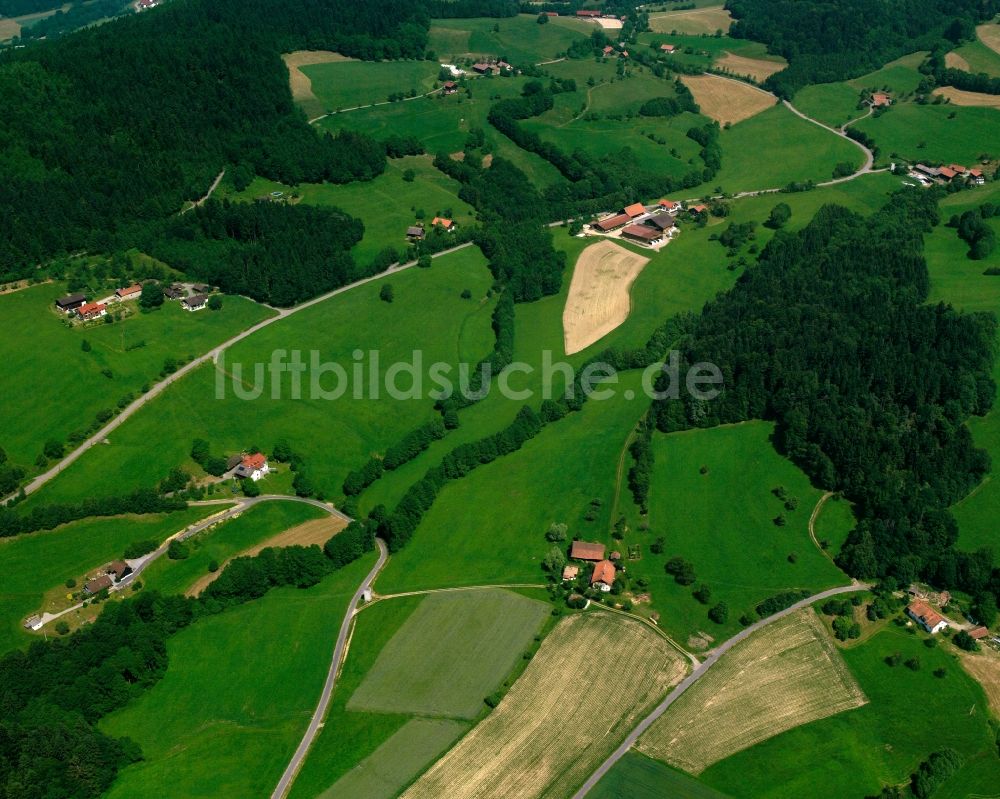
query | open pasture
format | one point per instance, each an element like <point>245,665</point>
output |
<point>594,672</point>
<point>759,69</point>
<point>237,696</point>
<point>598,300</point>
<point>477,636</point>
<point>726,100</point>
<point>343,83</point>
<point>693,21</point>
<point>963,98</point>
<point>789,673</point>
<point>519,40</point>
<point>834,523</point>
<point>300,83</point>
<point>910,713</point>
<point>333,432</point>
<point>636,776</point>
<point>977,57</point>
<point>9,28</point>
<point>44,362</point>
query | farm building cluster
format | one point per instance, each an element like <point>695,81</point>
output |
<point>603,570</point>
<point>947,174</point>
<point>417,231</point>
<point>649,226</point>
<point>112,574</point>
<point>193,297</point>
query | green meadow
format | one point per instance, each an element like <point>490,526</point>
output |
<point>909,715</point>
<point>333,436</point>
<point>712,502</point>
<point>774,148</point>
<point>980,58</point>
<point>958,280</point>
<point>237,696</point>
<point>35,563</point>
<point>224,541</point>
<point>518,40</point>
<point>636,776</point>
<point>478,636</point>
<point>834,523</point>
<point>45,364</point>
<point>387,205</point>
<point>345,84</point>
<point>703,51</point>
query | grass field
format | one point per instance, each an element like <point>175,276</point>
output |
<point>237,695</point>
<point>636,776</point>
<point>722,522</point>
<point>223,541</point>
<point>334,436</point>
<point>694,21</point>
<point>520,39</point>
<point>776,147</point>
<point>44,363</point>
<point>789,673</point>
<point>387,205</point>
<point>540,740</point>
<point>909,715</point>
<point>960,281</point>
<point>477,638</point>
<point>726,100</point>
<point>760,69</point>
<point>300,83</point>
<point>960,98</point>
<point>834,523</point>
<point>384,773</point>
<point>35,563</point>
<point>346,84</point>
<point>978,57</point>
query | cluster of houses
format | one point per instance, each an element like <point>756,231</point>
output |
<point>602,576</point>
<point>590,13</point>
<point>78,306</point>
<point>951,173</point>
<point>492,67</point>
<point>610,51</point>
<point>417,232</point>
<point>114,572</point>
<point>923,613</point>
<point>649,226</point>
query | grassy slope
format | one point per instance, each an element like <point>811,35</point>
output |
<point>980,58</point>
<point>343,84</point>
<point>44,364</point>
<point>519,39</point>
<point>219,543</point>
<point>956,279</point>
<point>638,777</point>
<point>386,205</point>
<point>910,715</point>
<point>835,521</point>
<point>721,522</point>
<point>38,562</point>
<point>333,436</point>
<point>237,696</point>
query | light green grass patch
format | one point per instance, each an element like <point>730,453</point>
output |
<point>387,205</point>
<point>834,523</point>
<point>980,58</point>
<point>636,776</point>
<point>452,651</point>
<point>397,762</point>
<point>45,365</point>
<point>237,696</point>
<point>38,562</point>
<point>519,40</point>
<point>345,84</point>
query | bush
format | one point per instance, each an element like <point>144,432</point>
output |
<point>71,583</point>
<point>386,294</point>
<point>140,548</point>
<point>215,302</point>
<point>178,550</point>
<point>62,627</point>
<point>249,487</point>
<point>720,613</point>
<point>213,566</point>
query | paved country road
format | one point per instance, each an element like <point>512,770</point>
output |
<point>211,355</point>
<point>697,674</point>
<point>316,723</point>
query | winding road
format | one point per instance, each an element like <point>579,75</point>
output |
<point>316,722</point>
<point>697,674</point>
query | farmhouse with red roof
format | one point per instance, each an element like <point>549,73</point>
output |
<point>253,466</point>
<point>924,615</point>
<point>603,576</point>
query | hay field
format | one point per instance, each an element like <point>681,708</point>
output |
<point>959,97</point>
<point>300,83</point>
<point>594,676</point>
<point>598,299</point>
<point>9,28</point>
<point>985,667</point>
<point>317,531</point>
<point>726,100</point>
<point>989,34</point>
<point>695,21</point>
<point>955,61</point>
<point>453,651</point>
<point>759,69</point>
<point>788,674</point>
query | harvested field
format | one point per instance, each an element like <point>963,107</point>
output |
<point>695,21</point>
<point>594,676</point>
<point>788,674</point>
<point>985,668</point>
<point>299,81</point>
<point>318,532</point>
<point>451,652</point>
<point>598,299</point>
<point>955,61</point>
<point>959,97</point>
<point>757,68</point>
<point>989,34</point>
<point>726,100</point>
<point>9,28</point>
<point>609,24</point>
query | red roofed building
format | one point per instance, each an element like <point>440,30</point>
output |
<point>976,176</point>
<point>881,100</point>
<point>643,234</point>
<point>611,223</point>
<point>670,205</point>
<point>634,210</point>
<point>552,13</point>
<point>253,466</point>
<point>926,617</point>
<point>946,172</point>
<point>608,50</point>
<point>440,221</point>
<point>586,550</point>
<point>961,170</point>
<point>588,12</point>
<point>97,585</point>
<point>603,576</point>
<point>449,86</point>
<point>92,310</point>
<point>130,293</point>
<point>698,209</point>
<point>978,633</point>
<point>668,48</point>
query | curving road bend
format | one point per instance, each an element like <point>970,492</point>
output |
<point>316,723</point>
<point>697,674</point>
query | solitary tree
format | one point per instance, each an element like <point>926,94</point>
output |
<point>152,295</point>
<point>720,613</point>
<point>215,302</point>
<point>386,294</point>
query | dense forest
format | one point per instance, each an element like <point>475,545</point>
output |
<point>826,42</point>
<point>869,386</point>
<point>17,8</point>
